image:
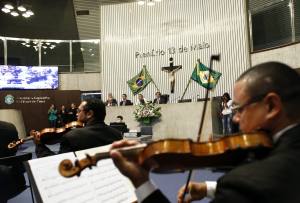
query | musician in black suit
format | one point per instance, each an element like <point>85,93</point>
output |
<point>125,101</point>
<point>95,132</point>
<point>12,180</point>
<point>8,134</point>
<point>266,97</point>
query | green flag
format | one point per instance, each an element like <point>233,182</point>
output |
<point>201,75</point>
<point>140,81</point>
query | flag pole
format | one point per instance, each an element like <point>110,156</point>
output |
<point>186,87</point>
<point>189,82</point>
<point>144,66</point>
<point>155,85</point>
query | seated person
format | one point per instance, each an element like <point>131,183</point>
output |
<point>160,99</point>
<point>95,132</point>
<point>12,180</point>
<point>262,101</point>
<point>119,125</point>
<point>111,101</point>
<point>141,100</point>
<point>125,101</point>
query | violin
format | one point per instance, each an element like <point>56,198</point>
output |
<point>47,135</point>
<point>171,155</point>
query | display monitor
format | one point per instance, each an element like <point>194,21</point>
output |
<point>28,77</point>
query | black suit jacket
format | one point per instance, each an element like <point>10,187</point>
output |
<point>94,134</point>
<point>12,180</point>
<point>127,102</point>
<point>161,101</point>
<point>8,133</point>
<point>113,102</point>
<point>274,179</point>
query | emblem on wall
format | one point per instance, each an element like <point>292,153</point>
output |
<point>9,99</point>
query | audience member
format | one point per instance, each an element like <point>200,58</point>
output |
<point>52,116</point>
<point>266,97</point>
<point>125,101</point>
<point>95,132</point>
<point>226,114</point>
<point>62,116</point>
<point>72,113</point>
<point>111,101</point>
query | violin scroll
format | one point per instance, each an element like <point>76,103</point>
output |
<point>15,144</point>
<point>67,169</point>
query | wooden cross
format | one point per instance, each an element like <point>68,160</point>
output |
<point>171,70</point>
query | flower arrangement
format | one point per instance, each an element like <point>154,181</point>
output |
<point>147,112</point>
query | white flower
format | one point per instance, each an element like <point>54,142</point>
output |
<point>147,110</point>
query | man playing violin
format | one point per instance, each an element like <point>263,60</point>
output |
<point>266,97</point>
<point>94,133</point>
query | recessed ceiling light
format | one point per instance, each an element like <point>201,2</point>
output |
<point>8,6</point>
<point>5,10</point>
<point>14,13</point>
<point>25,15</point>
<point>141,3</point>
<point>150,3</point>
<point>29,12</point>
<point>21,8</point>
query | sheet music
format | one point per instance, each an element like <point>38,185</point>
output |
<point>102,184</point>
<point>108,183</point>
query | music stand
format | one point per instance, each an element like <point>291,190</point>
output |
<point>17,164</point>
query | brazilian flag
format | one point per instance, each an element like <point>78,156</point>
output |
<point>201,76</point>
<point>140,81</point>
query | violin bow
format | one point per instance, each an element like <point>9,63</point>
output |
<point>212,58</point>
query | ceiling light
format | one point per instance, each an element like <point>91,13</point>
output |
<point>9,6</point>
<point>29,12</point>
<point>5,10</point>
<point>14,13</point>
<point>18,9</point>
<point>25,15</point>
<point>21,8</point>
<point>141,3</point>
<point>150,3</point>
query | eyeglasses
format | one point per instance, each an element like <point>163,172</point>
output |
<point>240,108</point>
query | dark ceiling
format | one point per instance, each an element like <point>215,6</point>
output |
<point>53,19</point>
